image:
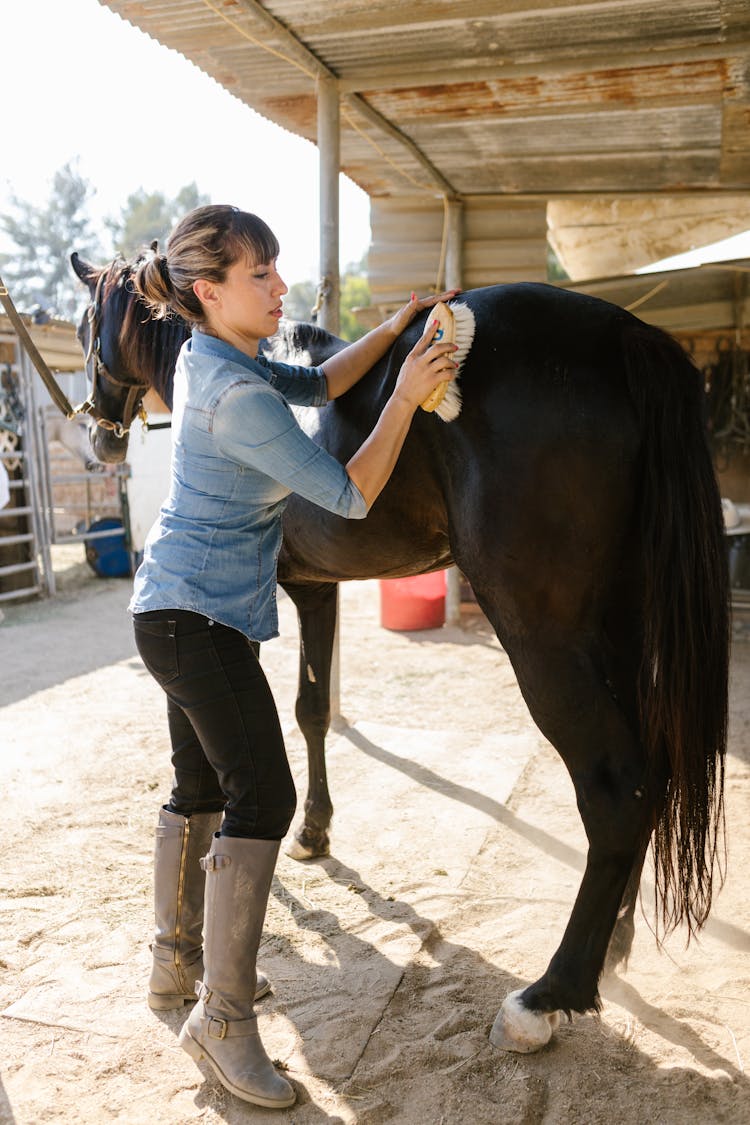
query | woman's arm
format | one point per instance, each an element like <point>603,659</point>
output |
<point>345,368</point>
<point>424,368</point>
<point>254,426</point>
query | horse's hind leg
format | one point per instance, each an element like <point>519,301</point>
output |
<point>316,610</point>
<point>621,941</point>
<point>571,698</point>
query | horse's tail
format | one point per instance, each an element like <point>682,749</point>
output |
<point>682,690</point>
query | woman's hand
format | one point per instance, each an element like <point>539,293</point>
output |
<point>399,321</point>
<point>343,369</point>
<point>425,367</point>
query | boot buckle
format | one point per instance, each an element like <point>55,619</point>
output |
<point>220,1030</point>
<point>211,861</point>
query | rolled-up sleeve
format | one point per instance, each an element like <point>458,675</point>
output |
<point>302,386</point>
<point>254,426</point>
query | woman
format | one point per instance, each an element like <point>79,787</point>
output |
<point>205,597</point>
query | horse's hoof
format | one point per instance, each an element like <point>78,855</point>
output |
<point>305,847</point>
<point>517,1028</point>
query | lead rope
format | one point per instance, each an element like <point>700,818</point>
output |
<point>58,396</point>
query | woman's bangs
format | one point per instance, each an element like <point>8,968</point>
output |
<point>255,239</point>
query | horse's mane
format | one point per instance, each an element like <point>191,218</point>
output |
<point>299,342</point>
<point>148,347</point>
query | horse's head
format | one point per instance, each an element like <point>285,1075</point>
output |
<point>126,353</point>
<point>116,392</point>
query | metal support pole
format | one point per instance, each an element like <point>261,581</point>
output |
<point>329,156</point>
<point>33,474</point>
<point>454,269</point>
<point>454,255</point>
<point>329,149</point>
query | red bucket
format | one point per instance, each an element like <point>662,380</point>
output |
<point>413,603</point>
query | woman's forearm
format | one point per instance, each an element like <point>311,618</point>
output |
<point>345,368</point>
<point>374,461</point>
<point>425,366</point>
<point>348,366</point>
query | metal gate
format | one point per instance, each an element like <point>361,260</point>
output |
<point>25,561</point>
<point>36,518</point>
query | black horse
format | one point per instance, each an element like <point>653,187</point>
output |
<point>576,492</point>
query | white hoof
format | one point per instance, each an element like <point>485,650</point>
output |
<point>299,851</point>
<point>517,1028</point>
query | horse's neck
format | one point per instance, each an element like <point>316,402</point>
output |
<point>153,403</point>
<point>305,344</point>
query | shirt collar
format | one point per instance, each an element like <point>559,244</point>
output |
<point>203,344</point>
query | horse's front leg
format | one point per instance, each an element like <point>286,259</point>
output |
<point>572,703</point>
<point>316,610</point>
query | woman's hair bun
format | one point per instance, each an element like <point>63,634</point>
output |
<point>163,264</point>
<point>153,283</point>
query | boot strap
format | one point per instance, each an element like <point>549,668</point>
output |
<point>211,861</point>
<point>216,1026</point>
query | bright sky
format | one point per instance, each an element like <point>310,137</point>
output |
<point>80,84</point>
<point>737,246</point>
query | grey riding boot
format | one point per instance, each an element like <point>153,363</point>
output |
<point>222,1027</point>
<point>179,883</point>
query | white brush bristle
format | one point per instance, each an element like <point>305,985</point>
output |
<point>464,326</point>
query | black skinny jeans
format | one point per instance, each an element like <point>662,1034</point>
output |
<point>227,747</point>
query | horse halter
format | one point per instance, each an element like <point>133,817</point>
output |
<point>134,401</point>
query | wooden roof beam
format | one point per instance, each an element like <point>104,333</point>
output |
<point>442,185</point>
<point>287,40</point>
<point>315,68</point>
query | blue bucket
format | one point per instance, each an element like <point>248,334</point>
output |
<point>108,556</point>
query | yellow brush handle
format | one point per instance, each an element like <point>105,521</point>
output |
<point>432,402</point>
<point>444,333</point>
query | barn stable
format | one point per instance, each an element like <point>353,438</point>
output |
<point>457,853</point>
<point>494,139</point>
<point>492,142</point>
<point>483,133</point>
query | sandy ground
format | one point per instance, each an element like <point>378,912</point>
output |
<point>456,855</point>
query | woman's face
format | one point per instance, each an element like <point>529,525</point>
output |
<point>245,306</point>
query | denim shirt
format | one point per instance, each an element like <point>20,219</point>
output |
<point>238,452</point>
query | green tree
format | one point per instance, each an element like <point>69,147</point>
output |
<point>38,271</point>
<point>555,269</point>
<point>355,293</point>
<point>147,216</point>
<point>300,300</point>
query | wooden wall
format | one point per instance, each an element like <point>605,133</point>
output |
<point>505,239</point>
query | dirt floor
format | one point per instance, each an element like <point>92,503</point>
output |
<point>456,854</point>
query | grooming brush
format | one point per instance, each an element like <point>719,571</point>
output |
<point>455,326</point>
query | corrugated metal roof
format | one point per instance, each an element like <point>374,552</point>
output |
<point>542,96</point>
<point>493,96</point>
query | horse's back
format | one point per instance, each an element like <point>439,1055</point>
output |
<point>548,429</point>
<point>540,458</point>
